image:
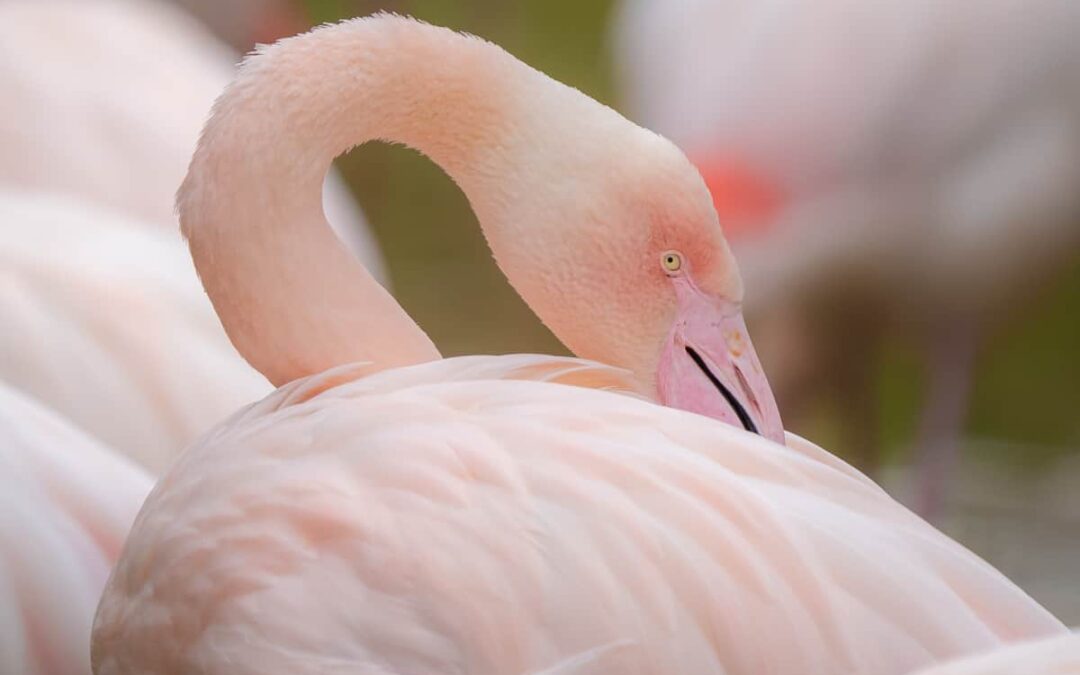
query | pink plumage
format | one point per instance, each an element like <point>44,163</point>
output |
<point>104,318</point>
<point>449,517</point>
<point>1058,655</point>
<point>105,321</point>
<point>516,514</point>
<point>66,504</point>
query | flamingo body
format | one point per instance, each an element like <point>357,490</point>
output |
<point>104,320</point>
<point>450,517</point>
<point>104,100</point>
<point>66,504</point>
<point>1058,655</point>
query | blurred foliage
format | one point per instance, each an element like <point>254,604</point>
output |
<point>1028,383</point>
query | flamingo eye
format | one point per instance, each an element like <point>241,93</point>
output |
<point>672,261</point>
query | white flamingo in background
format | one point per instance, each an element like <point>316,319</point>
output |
<point>407,514</point>
<point>1059,655</point>
<point>104,100</point>
<point>913,160</point>
<point>104,319</point>
<point>66,504</point>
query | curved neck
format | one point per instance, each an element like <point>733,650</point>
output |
<point>291,298</point>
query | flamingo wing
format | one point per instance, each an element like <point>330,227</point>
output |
<point>1059,655</point>
<point>437,519</point>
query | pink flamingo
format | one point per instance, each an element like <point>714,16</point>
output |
<point>66,504</point>
<point>910,164</point>
<point>105,321</point>
<point>104,100</point>
<point>407,514</point>
<point>1059,655</point>
<point>104,318</point>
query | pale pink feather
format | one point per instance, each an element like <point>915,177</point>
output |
<point>104,318</point>
<point>1059,655</point>
<point>105,321</point>
<point>105,100</point>
<point>66,504</point>
<point>440,519</point>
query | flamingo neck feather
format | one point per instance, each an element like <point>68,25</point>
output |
<point>290,296</point>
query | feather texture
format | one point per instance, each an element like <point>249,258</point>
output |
<point>442,519</point>
<point>66,504</point>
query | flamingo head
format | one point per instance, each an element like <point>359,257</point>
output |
<point>708,364</point>
<point>622,254</point>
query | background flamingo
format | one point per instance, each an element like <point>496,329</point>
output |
<point>104,100</point>
<point>66,504</point>
<point>884,165</point>
<point>478,514</point>
<point>104,318</point>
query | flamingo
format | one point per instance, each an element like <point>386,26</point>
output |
<point>388,511</point>
<point>66,503</point>
<point>1059,655</point>
<point>909,163</point>
<point>105,321</point>
<point>104,318</point>
<point>104,100</point>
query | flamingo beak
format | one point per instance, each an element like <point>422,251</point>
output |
<point>709,365</point>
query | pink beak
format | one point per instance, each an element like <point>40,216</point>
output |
<point>709,366</point>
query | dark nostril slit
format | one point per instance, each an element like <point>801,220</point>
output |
<point>750,398</point>
<point>740,411</point>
